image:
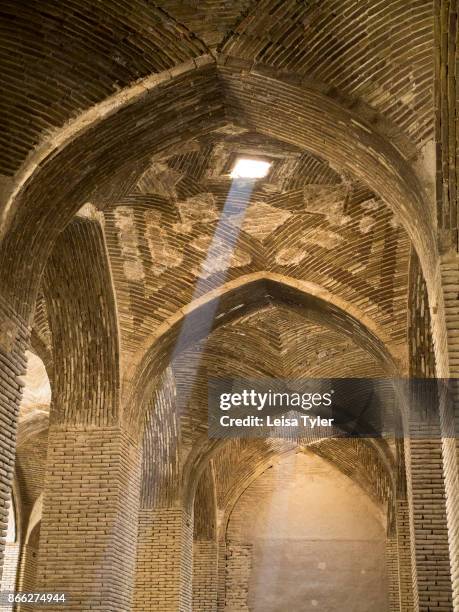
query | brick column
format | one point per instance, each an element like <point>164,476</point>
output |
<point>405,572</point>
<point>14,338</point>
<point>163,581</point>
<point>450,283</point>
<point>426,487</point>
<point>10,565</point>
<point>89,522</point>
<point>392,573</point>
<point>205,575</point>
<point>446,136</point>
<point>237,576</point>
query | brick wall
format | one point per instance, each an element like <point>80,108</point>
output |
<point>450,282</point>
<point>89,522</point>
<point>402,522</point>
<point>221,575</point>
<point>392,573</point>
<point>164,561</point>
<point>447,146</point>
<point>432,475</point>
<point>205,576</point>
<point>429,524</point>
<point>13,344</point>
<point>238,567</point>
<point>10,565</point>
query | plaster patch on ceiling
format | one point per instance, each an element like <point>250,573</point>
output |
<point>200,208</point>
<point>231,129</point>
<point>366,224</point>
<point>160,179</point>
<point>327,201</point>
<point>290,255</point>
<point>260,220</point>
<point>201,243</point>
<point>128,242</point>
<point>221,259</point>
<point>370,205</point>
<point>323,238</point>
<point>163,254</point>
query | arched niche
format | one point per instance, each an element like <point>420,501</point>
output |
<point>304,536</point>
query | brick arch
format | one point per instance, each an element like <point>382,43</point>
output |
<point>332,43</point>
<point>346,463</point>
<point>114,140</point>
<point>234,517</point>
<point>84,328</point>
<point>266,451</point>
<point>90,50</point>
<point>160,479</point>
<point>108,143</point>
<point>231,301</point>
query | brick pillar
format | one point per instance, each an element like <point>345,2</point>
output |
<point>238,570</point>
<point>392,573</point>
<point>10,565</point>
<point>14,338</point>
<point>163,581</point>
<point>426,487</point>
<point>205,575</point>
<point>89,522</point>
<point>446,136</point>
<point>405,572</point>
<point>450,283</point>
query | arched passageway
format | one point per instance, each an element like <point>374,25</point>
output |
<point>137,265</point>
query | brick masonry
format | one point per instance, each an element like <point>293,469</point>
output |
<point>429,521</point>
<point>403,536</point>
<point>164,566</point>
<point>90,513</point>
<point>450,282</point>
<point>392,563</point>
<point>237,576</point>
<point>136,113</point>
<point>205,575</point>
<point>27,571</point>
<point>14,338</point>
<point>9,575</point>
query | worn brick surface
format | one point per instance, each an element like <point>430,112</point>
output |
<point>163,580</point>
<point>90,513</point>
<point>121,122</point>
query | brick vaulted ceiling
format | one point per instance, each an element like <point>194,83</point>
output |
<point>61,58</point>
<point>160,196</point>
<point>142,269</point>
<point>309,220</point>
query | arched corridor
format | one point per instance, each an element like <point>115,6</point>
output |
<point>248,191</point>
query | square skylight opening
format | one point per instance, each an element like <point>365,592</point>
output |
<point>250,168</point>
